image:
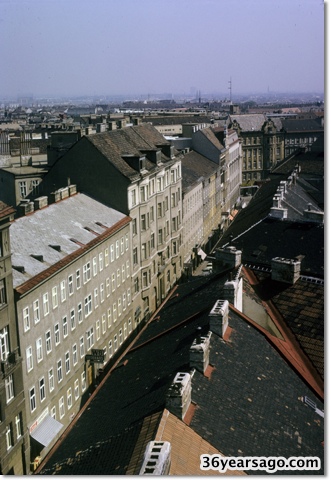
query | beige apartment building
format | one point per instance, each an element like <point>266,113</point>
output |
<point>73,293</point>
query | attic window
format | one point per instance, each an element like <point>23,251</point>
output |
<point>77,242</point>
<point>19,268</point>
<point>91,231</point>
<point>40,258</point>
<point>101,224</point>
<point>56,247</point>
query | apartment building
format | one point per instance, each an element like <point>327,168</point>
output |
<point>13,442</point>
<point>137,172</point>
<point>73,294</point>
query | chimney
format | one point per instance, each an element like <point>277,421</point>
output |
<point>40,202</point>
<point>285,270</point>
<point>157,459</point>
<point>25,207</point>
<point>278,212</point>
<point>199,352</point>
<point>178,397</point>
<point>227,257</point>
<point>233,291</point>
<point>72,189</point>
<point>219,317</point>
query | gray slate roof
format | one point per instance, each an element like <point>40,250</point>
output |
<point>56,225</point>
<point>195,167</point>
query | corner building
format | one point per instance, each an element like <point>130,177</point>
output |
<point>72,282</point>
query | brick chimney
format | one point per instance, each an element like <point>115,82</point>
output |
<point>219,317</point>
<point>178,397</point>
<point>199,353</point>
<point>233,291</point>
<point>157,459</point>
<point>285,270</point>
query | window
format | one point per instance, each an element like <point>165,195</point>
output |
<point>160,236</point>
<point>143,223</point>
<point>90,338</point>
<point>32,397</point>
<point>88,305</point>
<point>39,350</point>
<point>70,284</point>
<point>81,347</point>
<point>136,285</point>
<point>65,327</point>
<point>67,362</point>
<point>57,333</point>
<point>97,329</point>
<point>2,293</point>
<point>95,267</point>
<point>135,256</point>
<point>26,319</point>
<point>80,313</point>
<point>48,340</point>
<point>42,392</point>
<point>72,319</point>
<point>107,287</point>
<point>143,194</point>
<point>103,322</point>
<point>124,301</point>
<point>29,359</point>
<point>121,336</point>
<point>130,325</point>
<point>152,240</point>
<point>4,344</point>
<point>123,272</point>
<point>144,251</point>
<point>87,272</point>
<point>18,425</point>
<point>51,380</point>
<point>109,317</point>
<point>102,293</point>
<point>134,226</point>
<point>127,269</point>
<point>115,343</point>
<point>133,198</point>
<point>118,277</point>
<point>114,312</point>
<point>61,407</point>
<point>53,412</point>
<point>63,290</point>
<point>119,304</point>
<point>112,252</point>
<point>23,189</point>
<point>76,389</point>
<point>36,311</point>
<point>9,386</point>
<point>45,304</point>
<point>110,348</point>
<point>59,371</point>
<point>159,210</point>
<point>74,354</point>
<point>117,248</point>
<point>126,242</point>
<point>113,285</point>
<point>129,296</point>
<point>54,297</point>
<point>9,436</point>
<point>125,331</point>
<point>69,398</point>
<point>83,381</point>
<point>100,262</point>
<point>106,257</point>
<point>96,298</point>
<point>78,280</point>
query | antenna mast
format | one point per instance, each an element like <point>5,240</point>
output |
<point>230,88</point>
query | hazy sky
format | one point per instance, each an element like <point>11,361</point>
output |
<point>151,46</point>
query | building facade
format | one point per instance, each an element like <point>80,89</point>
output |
<point>73,295</point>
<point>13,441</point>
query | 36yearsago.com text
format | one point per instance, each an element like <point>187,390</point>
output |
<point>268,464</point>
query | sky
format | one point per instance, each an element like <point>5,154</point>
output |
<point>145,47</point>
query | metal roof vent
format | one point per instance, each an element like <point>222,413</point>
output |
<point>157,459</point>
<point>219,317</point>
<point>178,397</point>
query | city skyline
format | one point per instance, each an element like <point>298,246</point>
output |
<point>142,48</point>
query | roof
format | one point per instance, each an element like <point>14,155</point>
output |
<point>194,167</point>
<point>250,405</point>
<point>5,210</point>
<point>60,224</point>
<point>130,140</point>
<point>301,125</point>
<point>210,135</point>
<point>176,120</point>
<point>249,122</point>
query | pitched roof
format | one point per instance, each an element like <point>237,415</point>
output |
<point>301,125</point>
<point>249,122</point>
<point>70,224</point>
<point>250,405</point>
<point>210,135</point>
<point>195,167</point>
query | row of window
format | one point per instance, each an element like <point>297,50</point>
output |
<point>144,192</point>
<point>10,429</point>
<point>105,289</point>
<point>62,329</point>
<point>62,369</point>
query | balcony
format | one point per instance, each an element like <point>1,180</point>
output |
<point>8,365</point>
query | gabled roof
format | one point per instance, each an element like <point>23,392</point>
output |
<point>129,140</point>
<point>250,404</point>
<point>210,135</point>
<point>196,167</point>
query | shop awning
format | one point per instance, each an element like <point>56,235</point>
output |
<point>202,253</point>
<point>46,430</point>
